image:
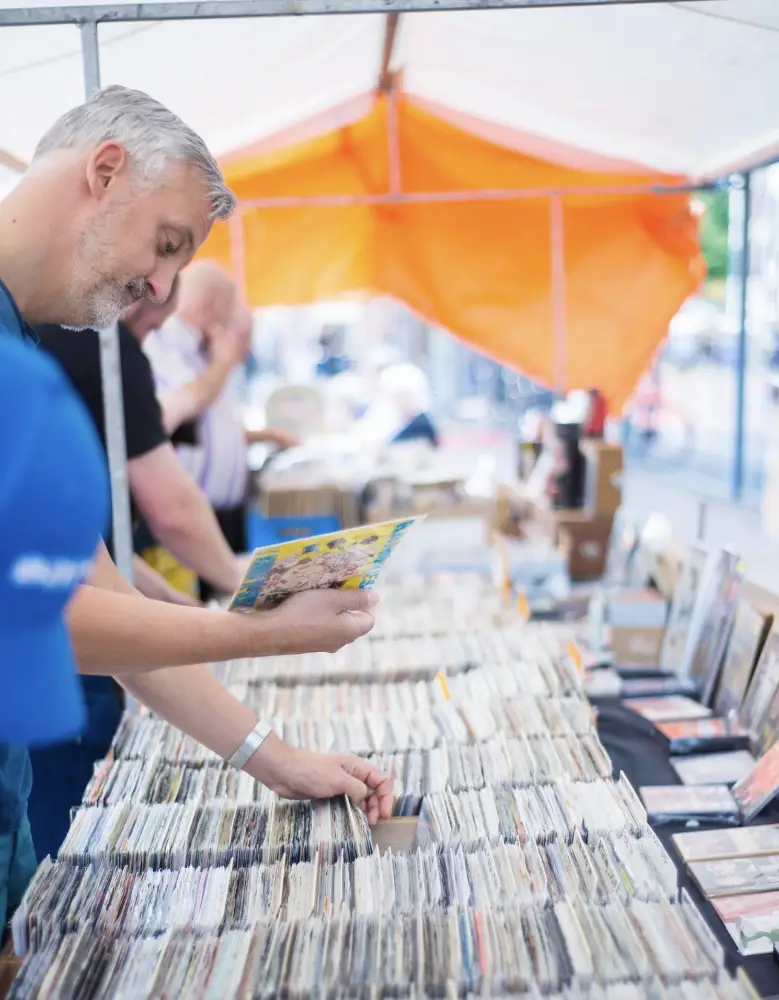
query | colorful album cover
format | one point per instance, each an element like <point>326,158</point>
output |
<point>714,768</point>
<point>736,876</point>
<point>701,729</point>
<point>667,709</point>
<point>759,786</point>
<point>683,801</point>
<point>732,910</point>
<point>685,601</point>
<point>351,559</point>
<point>767,731</point>
<point>713,845</point>
<point>710,632</point>
<point>746,642</point>
<point>763,686</point>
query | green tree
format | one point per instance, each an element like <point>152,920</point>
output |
<point>714,233</point>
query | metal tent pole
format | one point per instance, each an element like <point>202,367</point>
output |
<point>740,196</point>
<point>557,230</point>
<point>111,370</point>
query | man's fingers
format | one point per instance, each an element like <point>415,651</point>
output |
<point>379,784</point>
<point>355,789</point>
<point>358,622</point>
<point>355,600</point>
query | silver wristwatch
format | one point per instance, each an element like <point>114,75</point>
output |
<point>250,745</point>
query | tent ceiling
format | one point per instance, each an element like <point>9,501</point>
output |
<point>683,87</point>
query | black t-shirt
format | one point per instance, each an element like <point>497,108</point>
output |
<point>78,351</point>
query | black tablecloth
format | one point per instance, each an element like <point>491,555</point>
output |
<point>636,748</point>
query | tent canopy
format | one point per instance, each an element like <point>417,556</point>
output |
<point>587,309</point>
<point>680,87</point>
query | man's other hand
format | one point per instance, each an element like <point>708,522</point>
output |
<point>307,774</point>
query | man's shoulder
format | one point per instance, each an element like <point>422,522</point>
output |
<point>71,347</point>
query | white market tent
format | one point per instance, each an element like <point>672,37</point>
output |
<point>682,87</point>
<point>686,87</point>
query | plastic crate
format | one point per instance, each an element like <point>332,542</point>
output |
<point>261,531</point>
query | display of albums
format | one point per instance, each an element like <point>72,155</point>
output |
<point>533,872</point>
<point>722,741</point>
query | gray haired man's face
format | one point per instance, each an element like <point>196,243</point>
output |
<point>134,237</point>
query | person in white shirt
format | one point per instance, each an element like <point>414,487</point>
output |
<point>196,359</point>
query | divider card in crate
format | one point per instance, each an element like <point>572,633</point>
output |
<point>351,560</point>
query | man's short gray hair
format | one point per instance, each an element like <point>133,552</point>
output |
<point>150,133</point>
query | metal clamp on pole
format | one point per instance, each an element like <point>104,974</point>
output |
<point>111,371</point>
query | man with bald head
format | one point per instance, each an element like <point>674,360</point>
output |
<point>185,353</point>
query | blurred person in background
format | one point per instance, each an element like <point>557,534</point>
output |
<point>402,410</point>
<point>334,360</point>
<point>196,358</point>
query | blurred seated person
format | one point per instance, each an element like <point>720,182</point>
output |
<point>402,410</point>
<point>334,359</point>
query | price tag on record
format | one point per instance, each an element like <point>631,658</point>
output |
<point>444,686</point>
<point>576,656</point>
<point>523,606</point>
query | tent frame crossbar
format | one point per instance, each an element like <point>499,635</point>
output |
<point>87,18</point>
<point>219,9</point>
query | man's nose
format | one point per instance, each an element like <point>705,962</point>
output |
<point>160,282</point>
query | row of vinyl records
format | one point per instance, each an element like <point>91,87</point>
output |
<point>539,875</point>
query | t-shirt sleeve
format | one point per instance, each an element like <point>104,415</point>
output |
<point>143,417</point>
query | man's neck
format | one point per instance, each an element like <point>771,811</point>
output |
<point>26,254</point>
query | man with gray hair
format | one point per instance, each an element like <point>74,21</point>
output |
<point>119,196</point>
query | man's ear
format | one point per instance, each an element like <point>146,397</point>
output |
<point>104,165</point>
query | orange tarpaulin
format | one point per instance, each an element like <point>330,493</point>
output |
<point>482,269</point>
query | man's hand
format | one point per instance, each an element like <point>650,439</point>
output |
<point>319,621</point>
<point>306,774</point>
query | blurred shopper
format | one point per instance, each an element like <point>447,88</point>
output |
<point>334,359</point>
<point>402,409</point>
<point>118,197</point>
<point>196,357</point>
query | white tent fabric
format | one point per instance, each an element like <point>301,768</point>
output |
<point>686,87</point>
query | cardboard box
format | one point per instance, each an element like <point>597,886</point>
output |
<point>584,541</point>
<point>636,647</point>
<point>603,477</point>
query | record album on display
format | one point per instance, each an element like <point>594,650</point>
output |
<point>713,768</point>
<point>759,786</point>
<point>711,845</point>
<point>682,803</point>
<point>686,736</point>
<point>685,602</point>
<point>710,630</point>
<point>762,687</point>
<point>667,709</point>
<point>747,636</point>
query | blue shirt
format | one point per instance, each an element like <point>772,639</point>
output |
<point>15,767</point>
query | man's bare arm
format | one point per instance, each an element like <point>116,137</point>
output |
<point>193,700</point>
<point>180,517</point>
<point>114,629</point>
<point>152,584</point>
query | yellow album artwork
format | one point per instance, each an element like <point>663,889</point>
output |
<point>351,559</point>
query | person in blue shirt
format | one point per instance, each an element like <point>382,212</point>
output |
<point>118,197</point>
<point>53,508</point>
